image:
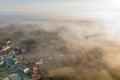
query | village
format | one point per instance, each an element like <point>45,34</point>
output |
<point>16,65</point>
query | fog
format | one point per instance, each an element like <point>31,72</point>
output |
<point>79,33</point>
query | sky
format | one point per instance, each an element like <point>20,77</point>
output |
<point>62,8</point>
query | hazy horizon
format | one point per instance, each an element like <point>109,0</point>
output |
<point>71,9</point>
